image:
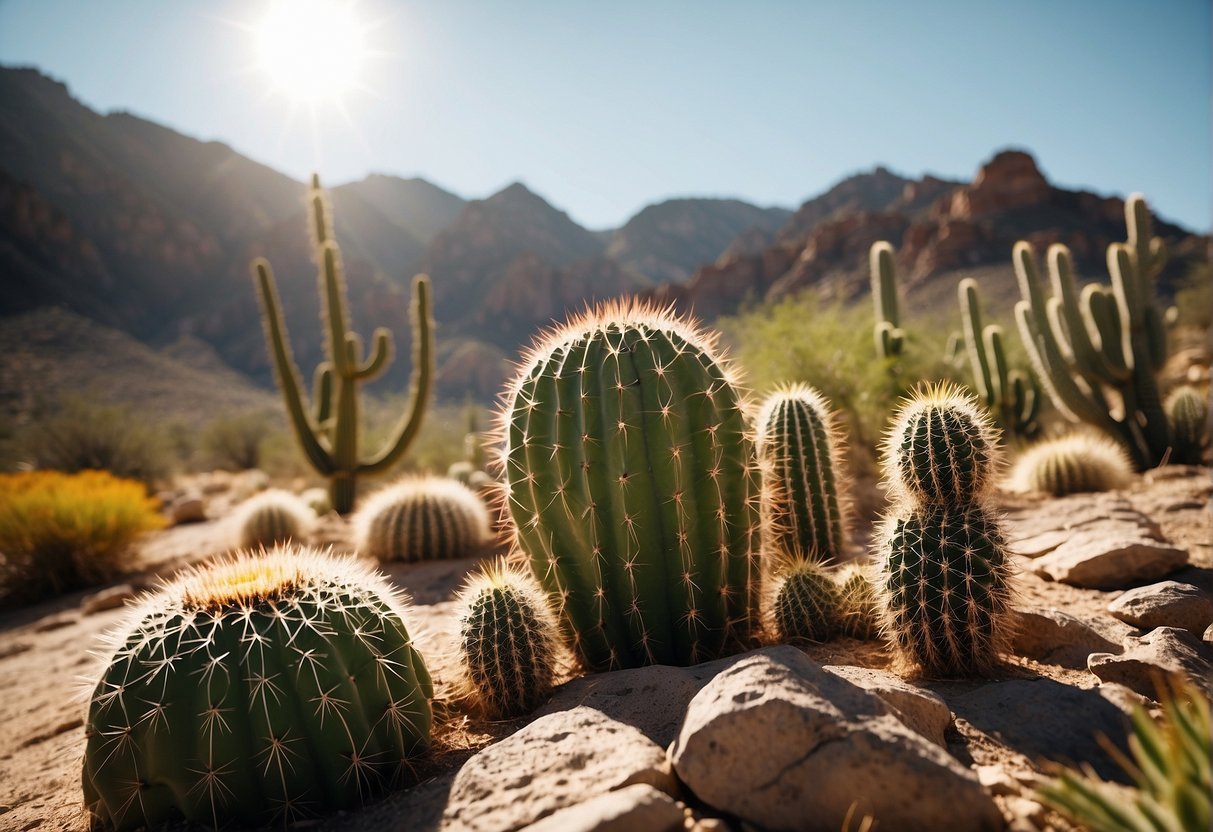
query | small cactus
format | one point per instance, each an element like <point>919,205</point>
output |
<point>422,518</point>
<point>806,603</point>
<point>859,604</point>
<point>508,642</point>
<point>1188,413</point>
<point>890,338</point>
<point>800,446</point>
<point>274,517</point>
<point>1072,464</point>
<point>259,689</point>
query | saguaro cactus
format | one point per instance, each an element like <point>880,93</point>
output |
<point>630,478</point>
<point>889,336</point>
<point>328,431</point>
<point>1014,396</point>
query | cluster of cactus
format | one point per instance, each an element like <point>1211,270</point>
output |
<point>1188,414</point>
<point>1106,338</point>
<point>631,481</point>
<point>1013,396</point>
<point>274,517</point>
<point>422,518</point>
<point>259,689</point>
<point>1072,464</point>
<point>859,605</point>
<point>890,338</point>
<point>328,431</point>
<point>799,446</point>
<point>508,642</point>
<point>806,603</point>
<point>945,580</point>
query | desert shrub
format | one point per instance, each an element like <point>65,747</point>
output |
<point>235,442</point>
<point>85,436</point>
<point>1194,298</point>
<point>64,531</point>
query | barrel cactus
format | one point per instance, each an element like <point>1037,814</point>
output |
<point>272,517</point>
<point>259,689</point>
<point>508,642</point>
<point>422,518</point>
<point>800,446</point>
<point>1072,464</point>
<point>806,604</point>
<point>1188,412</point>
<point>630,478</point>
<point>859,605</point>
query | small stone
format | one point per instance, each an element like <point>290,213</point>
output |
<point>1165,604</point>
<point>996,781</point>
<point>1208,636</point>
<point>1159,652</point>
<point>216,483</point>
<point>919,710</point>
<point>1098,561</point>
<point>107,599</point>
<point>639,808</point>
<point>1056,637</point>
<point>1039,544</point>
<point>190,508</point>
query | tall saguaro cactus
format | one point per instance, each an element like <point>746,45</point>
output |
<point>888,332</point>
<point>1014,396</point>
<point>328,430</point>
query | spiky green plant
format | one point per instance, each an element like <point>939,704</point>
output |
<point>262,688</point>
<point>1072,464</point>
<point>889,336</point>
<point>859,604</point>
<point>508,641</point>
<point>1012,395</point>
<point>806,604</point>
<point>274,516</point>
<point>328,432</point>
<point>1172,770</point>
<point>1188,412</point>
<point>629,476</point>
<point>800,446</point>
<point>422,518</point>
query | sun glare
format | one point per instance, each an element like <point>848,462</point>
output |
<point>312,50</point>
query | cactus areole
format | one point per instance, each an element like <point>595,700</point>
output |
<point>630,478</point>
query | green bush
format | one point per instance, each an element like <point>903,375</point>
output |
<point>235,442</point>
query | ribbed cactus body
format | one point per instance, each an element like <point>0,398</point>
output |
<point>799,444</point>
<point>274,517</point>
<point>629,477</point>
<point>946,588</point>
<point>261,689</point>
<point>1073,464</point>
<point>806,603</point>
<point>508,642</point>
<point>1188,413</point>
<point>888,333</point>
<point>422,518</point>
<point>859,604</point>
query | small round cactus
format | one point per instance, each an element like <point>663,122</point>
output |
<point>422,518</point>
<point>1072,464</point>
<point>508,642</point>
<point>259,689</point>
<point>1188,413</point>
<point>806,603</point>
<point>859,604</point>
<point>274,517</point>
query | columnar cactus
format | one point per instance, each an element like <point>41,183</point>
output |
<point>422,518</point>
<point>806,604</point>
<point>328,432</point>
<point>889,336</point>
<point>1188,412</point>
<point>1012,395</point>
<point>274,516</point>
<point>859,614</point>
<point>508,642</point>
<point>800,445</point>
<point>945,582</point>
<point>1072,464</point>
<point>630,478</point>
<point>259,689</point>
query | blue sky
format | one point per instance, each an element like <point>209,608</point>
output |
<point>605,107</point>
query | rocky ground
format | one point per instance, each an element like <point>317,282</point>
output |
<point>1112,589</point>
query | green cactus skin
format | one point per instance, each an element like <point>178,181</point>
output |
<point>329,434</point>
<point>630,478</point>
<point>946,588</point>
<point>942,448</point>
<point>1079,344</point>
<point>422,518</point>
<point>859,614</point>
<point>508,642</point>
<point>1073,464</point>
<point>261,689</point>
<point>889,336</point>
<point>800,448</point>
<point>806,603</point>
<point>1188,412</point>
<point>1012,395</point>
<point>274,517</point>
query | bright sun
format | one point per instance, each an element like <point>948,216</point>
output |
<point>312,50</point>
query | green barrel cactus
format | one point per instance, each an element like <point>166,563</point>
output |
<point>1188,412</point>
<point>508,642</point>
<point>890,338</point>
<point>859,604</point>
<point>1072,464</point>
<point>272,517</point>
<point>806,604</point>
<point>422,518</point>
<point>260,689</point>
<point>630,478</point>
<point>799,445</point>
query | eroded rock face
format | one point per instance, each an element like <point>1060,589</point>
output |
<point>1056,637</point>
<point>1162,651</point>
<point>639,808</point>
<point>781,743</point>
<point>1099,560</point>
<point>1165,604</point>
<point>919,710</point>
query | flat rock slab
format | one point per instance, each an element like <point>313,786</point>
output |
<point>1165,604</point>
<point>555,762</point>
<point>639,808</point>
<point>1159,652</point>
<point>1096,560</point>
<point>783,744</point>
<point>1055,637</point>
<point>1073,512</point>
<point>920,710</point>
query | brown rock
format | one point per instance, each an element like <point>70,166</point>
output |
<point>639,808</point>
<point>1165,604</point>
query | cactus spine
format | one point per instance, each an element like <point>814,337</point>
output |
<point>1014,396</point>
<point>329,433</point>
<point>422,518</point>
<point>799,445</point>
<point>273,517</point>
<point>859,604</point>
<point>806,603</point>
<point>1188,412</point>
<point>259,689</point>
<point>630,478</point>
<point>508,642</point>
<point>889,336</point>
<point>1078,344</point>
<point>1072,464</point>
<point>945,582</point>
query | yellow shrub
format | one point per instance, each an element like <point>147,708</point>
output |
<point>63,531</point>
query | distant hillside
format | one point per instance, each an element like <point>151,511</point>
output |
<point>420,207</point>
